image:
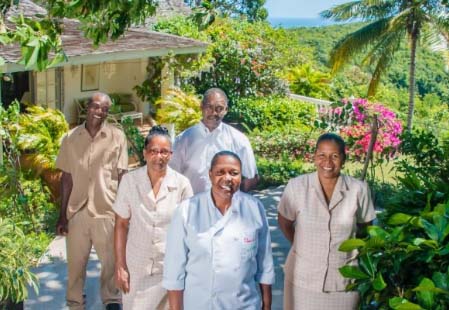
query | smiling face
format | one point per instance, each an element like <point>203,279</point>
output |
<point>157,153</point>
<point>98,109</point>
<point>328,159</point>
<point>225,176</point>
<point>214,109</point>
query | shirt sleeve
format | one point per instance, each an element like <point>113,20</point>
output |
<point>265,269</point>
<point>122,204</point>
<point>187,190</point>
<point>122,163</point>
<point>63,161</point>
<point>287,206</point>
<point>175,252</point>
<point>249,167</point>
<point>177,157</point>
<point>365,211</point>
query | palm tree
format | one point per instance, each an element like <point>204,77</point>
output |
<point>389,22</point>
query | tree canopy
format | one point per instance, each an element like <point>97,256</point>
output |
<point>39,36</point>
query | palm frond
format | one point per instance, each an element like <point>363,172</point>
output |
<point>356,42</point>
<point>383,62</point>
<point>389,42</point>
<point>366,10</point>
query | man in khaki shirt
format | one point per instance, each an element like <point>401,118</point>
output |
<point>93,157</point>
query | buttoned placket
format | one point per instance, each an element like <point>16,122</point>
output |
<point>337,197</point>
<point>215,250</point>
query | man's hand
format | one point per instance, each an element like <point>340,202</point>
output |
<point>122,278</point>
<point>62,226</point>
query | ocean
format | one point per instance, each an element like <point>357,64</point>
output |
<point>299,22</point>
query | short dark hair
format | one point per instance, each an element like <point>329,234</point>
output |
<point>214,90</point>
<point>329,136</point>
<point>157,131</point>
<point>224,153</point>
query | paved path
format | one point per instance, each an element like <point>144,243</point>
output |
<point>52,271</point>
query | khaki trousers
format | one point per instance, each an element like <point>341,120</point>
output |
<point>85,231</point>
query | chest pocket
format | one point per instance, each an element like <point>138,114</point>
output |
<point>248,245</point>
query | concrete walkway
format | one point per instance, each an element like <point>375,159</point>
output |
<point>52,270</point>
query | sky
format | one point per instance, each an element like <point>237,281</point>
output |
<point>299,8</point>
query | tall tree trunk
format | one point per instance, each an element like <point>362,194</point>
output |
<point>411,83</point>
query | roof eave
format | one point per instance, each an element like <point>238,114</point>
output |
<point>112,56</point>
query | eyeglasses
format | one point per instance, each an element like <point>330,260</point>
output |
<point>163,152</point>
<point>211,108</point>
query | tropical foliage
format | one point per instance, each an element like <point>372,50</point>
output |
<point>389,22</point>
<point>178,108</point>
<point>39,133</point>
<point>16,258</point>
<point>243,58</point>
<point>307,81</point>
<point>271,113</point>
<point>403,262</point>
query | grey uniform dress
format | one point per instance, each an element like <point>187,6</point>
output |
<point>312,279</point>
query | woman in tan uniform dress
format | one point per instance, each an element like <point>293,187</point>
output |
<point>317,212</point>
<point>146,200</point>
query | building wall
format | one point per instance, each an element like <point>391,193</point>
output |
<point>114,77</point>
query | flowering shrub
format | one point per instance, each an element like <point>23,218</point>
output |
<point>353,120</point>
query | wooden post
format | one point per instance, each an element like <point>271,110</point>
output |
<point>372,141</point>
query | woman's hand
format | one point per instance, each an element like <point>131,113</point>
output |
<point>122,278</point>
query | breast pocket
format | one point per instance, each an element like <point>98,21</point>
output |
<point>110,159</point>
<point>248,245</point>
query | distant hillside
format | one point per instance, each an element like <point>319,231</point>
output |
<point>432,76</point>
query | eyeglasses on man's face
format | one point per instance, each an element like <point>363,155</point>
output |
<point>210,108</point>
<point>162,152</point>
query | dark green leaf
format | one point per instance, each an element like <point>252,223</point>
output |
<point>399,219</point>
<point>353,272</point>
<point>351,244</point>
<point>425,294</point>
<point>379,283</point>
<point>398,303</point>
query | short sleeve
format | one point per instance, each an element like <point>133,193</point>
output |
<point>122,204</point>
<point>63,160</point>
<point>365,212</point>
<point>177,157</point>
<point>187,190</point>
<point>122,163</point>
<point>287,206</point>
<point>249,167</point>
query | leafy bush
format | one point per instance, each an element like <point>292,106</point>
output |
<point>287,141</point>
<point>280,154</point>
<point>272,113</point>
<point>31,209</point>
<point>16,257</point>
<point>39,133</point>
<point>405,264</point>
<point>278,172</point>
<point>423,173</point>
